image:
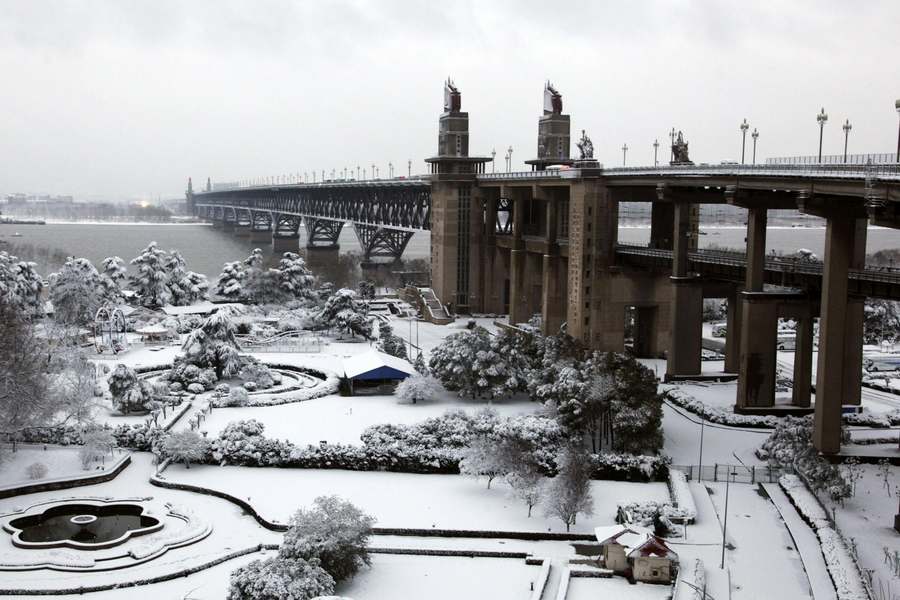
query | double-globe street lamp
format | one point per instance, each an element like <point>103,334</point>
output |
<point>744,127</point>
<point>754,135</point>
<point>822,118</point>
<point>846,127</point>
<point>897,106</point>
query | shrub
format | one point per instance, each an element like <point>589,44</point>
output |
<point>37,470</point>
<point>236,397</point>
<point>281,579</point>
<point>250,386</point>
<point>196,388</point>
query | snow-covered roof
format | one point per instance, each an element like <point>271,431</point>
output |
<point>198,308</point>
<point>637,540</point>
<point>377,365</point>
<point>152,329</point>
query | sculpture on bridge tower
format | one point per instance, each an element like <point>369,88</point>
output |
<point>189,196</point>
<point>680,151</point>
<point>553,132</point>
<point>585,147</point>
<point>452,97</point>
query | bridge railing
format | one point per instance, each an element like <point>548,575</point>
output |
<point>855,171</point>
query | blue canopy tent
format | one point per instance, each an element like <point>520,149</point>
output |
<point>374,366</point>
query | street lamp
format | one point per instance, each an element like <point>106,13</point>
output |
<point>624,152</point>
<point>506,158</point>
<point>357,171</point>
<point>897,105</point>
<point>494,155</point>
<point>672,145</point>
<point>510,158</point>
<point>822,118</point>
<point>409,168</point>
<point>754,135</point>
<point>655,152</point>
<point>846,127</point>
<point>744,127</point>
<point>374,176</point>
<point>391,170</point>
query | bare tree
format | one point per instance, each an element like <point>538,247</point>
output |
<point>569,493</point>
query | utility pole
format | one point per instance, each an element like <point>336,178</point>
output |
<point>702,427</point>
<point>846,127</point>
<point>656,152</point>
<point>725,520</point>
<point>754,135</point>
<point>822,118</point>
<point>744,127</point>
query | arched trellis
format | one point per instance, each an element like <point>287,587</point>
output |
<point>110,330</point>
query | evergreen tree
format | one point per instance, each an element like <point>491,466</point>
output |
<point>389,342</point>
<point>75,292</point>
<point>113,274</point>
<point>466,363</point>
<point>185,287</point>
<point>345,313</point>
<point>20,284</point>
<point>150,280</point>
<point>129,392</point>
<point>635,405</point>
<point>230,284</point>
<point>296,278</point>
<point>214,345</point>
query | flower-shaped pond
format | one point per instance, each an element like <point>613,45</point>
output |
<point>83,526</point>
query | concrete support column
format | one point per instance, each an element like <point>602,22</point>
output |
<point>756,383</point>
<point>646,332</point>
<point>683,233</point>
<point>553,301</point>
<point>853,353</point>
<point>733,333</point>
<point>756,248</point>
<point>830,388</point>
<point>662,223</point>
<point>518,289</point>
<point>803,351</point>
<point>687,328</point>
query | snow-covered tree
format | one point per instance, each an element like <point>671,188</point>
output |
<point>280,579</point>
<point>635,405</point>
<point>263,286</point>
<point>98,443</point>
<point>389,342</point>
<point>587,409</point>
<point>150,279</point>
<point>214,345</point>
<point>882,321</point>
<point>569,493</point>
<point>345,313</point>
<point>296,278</point>
<point>527,485</point>
<point>24,399</point>
<point>129,392</point>
<point>185,287</point>
<point>73,382</point>
<point>366,290</point>
<point>20,284</point>
<point>112,275</point>
<point>417,388</point>
<point>420,365</point>
<point>486,457</point>
<point>230,284</point>
<point>333,531</point>
<point>76,292</point>
<point>185,447</point>
<point>465,362</point>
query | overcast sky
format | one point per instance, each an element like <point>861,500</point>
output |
<point>126,99</point>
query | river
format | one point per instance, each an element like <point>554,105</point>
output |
<point>206,249</point>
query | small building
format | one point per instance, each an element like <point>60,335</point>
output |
<point>374,371</point>
<point>153,334</point>
<point>635,552</point>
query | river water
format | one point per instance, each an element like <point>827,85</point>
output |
<point>206,249</point>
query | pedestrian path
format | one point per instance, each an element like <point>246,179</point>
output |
<point>807,544</point>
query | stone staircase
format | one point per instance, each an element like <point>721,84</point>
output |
<point>425,300</point>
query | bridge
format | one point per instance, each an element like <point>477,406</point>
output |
<point>545,242</point>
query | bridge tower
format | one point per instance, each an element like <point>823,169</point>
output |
<point>457,221</point>
<point>553,144</point>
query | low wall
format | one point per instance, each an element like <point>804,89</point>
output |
<point>63,483</point>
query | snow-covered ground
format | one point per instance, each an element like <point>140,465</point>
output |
<point>591,588</point>
<point>405,499</point>
<point>60,462</point>
<point>341,419</point>
<point>394,577</point>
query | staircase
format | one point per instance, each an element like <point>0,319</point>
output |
<point>427,303</point>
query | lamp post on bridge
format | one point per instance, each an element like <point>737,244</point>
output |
<point>656,152</point>
<point>846,127</point>
<point>672,145</point>
<point>494,155</point>
<point>390,170</point>
<point>754,135</point>
<point>506,158</point>
<point>744,127</point>
<point>510,158</point>
<point>624,152</point>
<point>409,168</point>
<point>374,174</point>
<point>897,106</point>
<point>822,118</point>
<point>323,175</point>
<point>357,172</point>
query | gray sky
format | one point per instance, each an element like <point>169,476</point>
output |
<point>121,98</point>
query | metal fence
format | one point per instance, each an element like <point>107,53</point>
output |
<point>733,473</point>
<point>835,159</point>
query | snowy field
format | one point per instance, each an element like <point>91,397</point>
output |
<point>868,519</point>
<point>395,577</point>
<point>591,588</point>
<point>60,462</point>
<point>405,499</point>
<point>341,419</point>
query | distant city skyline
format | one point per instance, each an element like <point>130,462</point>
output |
<point>126,101</point>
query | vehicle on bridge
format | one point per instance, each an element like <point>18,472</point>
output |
<point>883,362</point>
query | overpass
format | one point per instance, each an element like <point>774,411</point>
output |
<point>545,242</point>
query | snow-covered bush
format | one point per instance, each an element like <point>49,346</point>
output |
<point>37,470</point>
<point>196,388</point>
<point>250,386</point>
<point>20,285</point>
<point>281,579</point>
<point>417,388</point>
<point>112,274</point>
<point>679,397</point>
<point>237,396</point>
<point>214,346</point>
<point>75,292</point>
<point>345,313</point>
<point>681,494</point>
<point>185,287</point>
<point>333,531</point>
<point>150,279</point>
<point>258,374</point>
<point>185,447</point>
<point>97,444</point>
<point>176,387</point>
<point>129,392</point>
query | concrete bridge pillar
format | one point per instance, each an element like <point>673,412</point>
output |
<point>687,297</point>
<point>840,331</point>
<point>803,351</point>
<point>733,332</point>
<point>518,260</point>
<point>662,223</point>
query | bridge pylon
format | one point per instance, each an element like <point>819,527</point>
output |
<point>323,234</point>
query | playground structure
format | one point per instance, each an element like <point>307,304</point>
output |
<point>110,330</point>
